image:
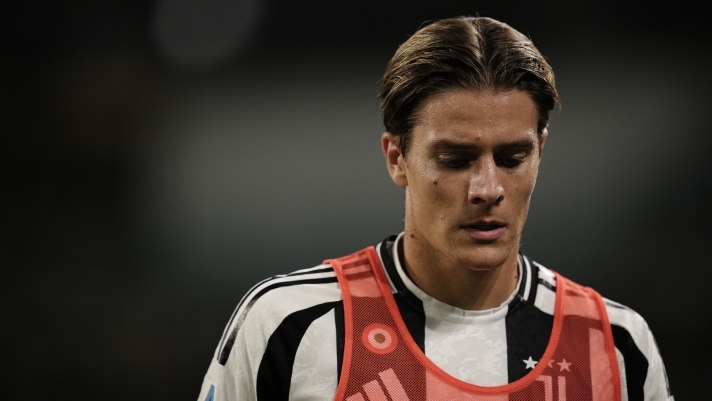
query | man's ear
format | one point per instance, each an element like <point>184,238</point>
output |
<point>542,140</point>
<point>394,159</point>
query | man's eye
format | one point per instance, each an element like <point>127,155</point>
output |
<point>510,161</point>
<point>455,163</point>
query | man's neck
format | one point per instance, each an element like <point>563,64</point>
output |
<point>458,286</point>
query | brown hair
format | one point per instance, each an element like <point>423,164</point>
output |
<point>462,53</point>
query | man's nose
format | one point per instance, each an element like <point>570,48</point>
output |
<point>485,184</point>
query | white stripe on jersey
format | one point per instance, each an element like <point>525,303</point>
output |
<point>314,375</point>
<point>307,270</point>
<point>621,370</point>
<point>528,284</point>
<point>545,293</point>
<point>546,275</point>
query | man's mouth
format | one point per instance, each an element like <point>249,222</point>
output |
<point>486,227</point>
<point>486,232</point>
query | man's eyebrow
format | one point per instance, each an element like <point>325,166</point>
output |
<point>446,144</point>
<point>523,144</point>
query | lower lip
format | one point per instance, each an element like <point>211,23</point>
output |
<point>485,235</point>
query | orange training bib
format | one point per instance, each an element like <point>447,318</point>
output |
<point>382,362</point>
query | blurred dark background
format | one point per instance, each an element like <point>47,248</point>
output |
<point>159,158</point>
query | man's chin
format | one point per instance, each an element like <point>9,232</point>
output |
<point>486,258</point>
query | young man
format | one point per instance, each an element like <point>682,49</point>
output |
<point>449,309</point>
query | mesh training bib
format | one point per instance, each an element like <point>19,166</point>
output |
<point>382,362</point>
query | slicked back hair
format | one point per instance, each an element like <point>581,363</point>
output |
<point>462,53</point>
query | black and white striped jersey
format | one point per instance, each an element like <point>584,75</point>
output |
<point>285,339</point>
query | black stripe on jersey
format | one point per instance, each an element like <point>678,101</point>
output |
<point>528,327</point>
<point>227,347</point>
<point>414,319</point>
<point>340,336</point>
<point>547,284</point>
<point>274,375</point>
<point>528,332</point>
<point>636,365</point>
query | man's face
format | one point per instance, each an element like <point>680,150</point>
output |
<point>468,175</point>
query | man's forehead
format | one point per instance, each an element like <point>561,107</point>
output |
<point>468,104</point>
<point>465,118</point>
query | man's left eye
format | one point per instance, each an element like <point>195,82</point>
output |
<point>511,161</point>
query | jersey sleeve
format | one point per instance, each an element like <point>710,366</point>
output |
<point>232,371</point>
<point>656,385</point>
<point>221,384</point>
<point>643,375</point>
<point>256,353</point>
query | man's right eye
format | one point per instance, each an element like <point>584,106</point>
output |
<point>454,163</point>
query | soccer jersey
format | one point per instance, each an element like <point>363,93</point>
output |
<point>285,340</point>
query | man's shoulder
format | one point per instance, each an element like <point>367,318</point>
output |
<point>279,300</point>
<point>630,330</point>
<point>624,316</point>
<point>618,314</point>
<point>547,277</point>
<point>279,296</point>
<point>642,369</point>
<point>635,345</point>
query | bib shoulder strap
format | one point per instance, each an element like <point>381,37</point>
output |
<point>586,302</point>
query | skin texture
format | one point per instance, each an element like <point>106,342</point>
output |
<point>468,176</point>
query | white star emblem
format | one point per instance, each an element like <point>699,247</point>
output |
<point>564,365</point>
<point>551,362</point>
<point>530,363</point>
